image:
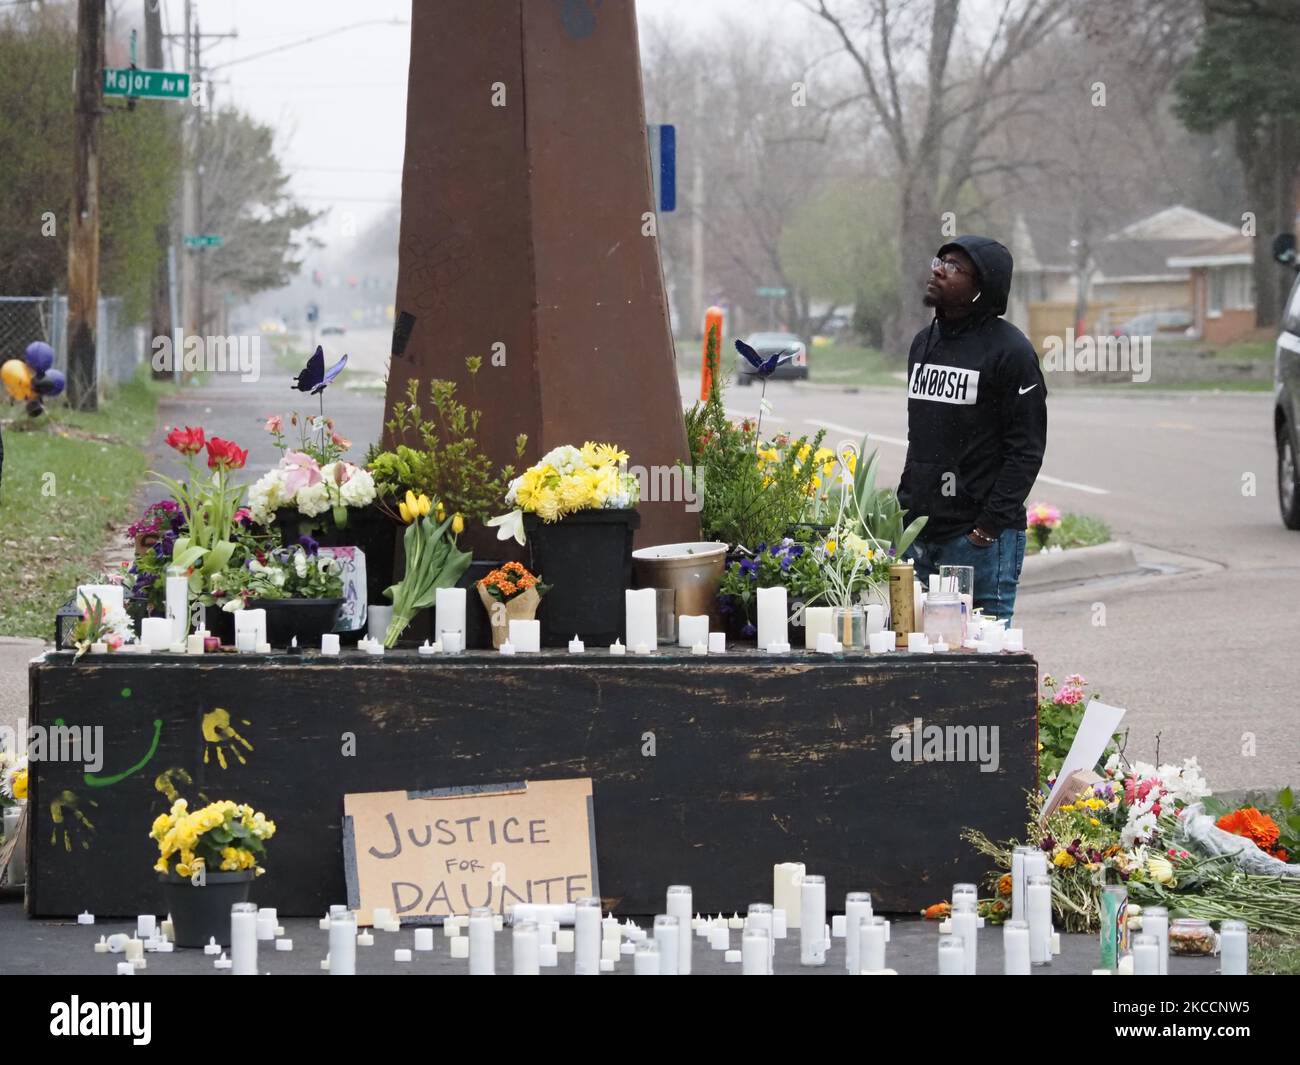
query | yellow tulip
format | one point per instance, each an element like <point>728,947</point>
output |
<point>441,513</point>
<point>458,524</point>
<point>411,504</point>
<point>405,512</point>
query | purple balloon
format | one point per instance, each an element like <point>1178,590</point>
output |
<point>39,356</point>
<point>50,384</point>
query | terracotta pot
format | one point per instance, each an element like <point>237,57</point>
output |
<point>523,607</point>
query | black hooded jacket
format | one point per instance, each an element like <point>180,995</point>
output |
<point>976,412</point>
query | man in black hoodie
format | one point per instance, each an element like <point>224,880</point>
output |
<point>976,424</point>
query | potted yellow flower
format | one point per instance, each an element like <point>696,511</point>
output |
<point>207,860</point>
<point>576,510</point>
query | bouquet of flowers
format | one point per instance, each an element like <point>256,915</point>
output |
<point>311,478</point>
<point>509,591</point>
<point>209,504</point>
<point>568,479</point>
<point>110,626</point>
<point>1042,518</point>
<point>13,778</point>
<point>852,565</point>
<point>433,561</point>
<point>222,836</point>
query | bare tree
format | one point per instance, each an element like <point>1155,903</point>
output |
<point>937,113</point>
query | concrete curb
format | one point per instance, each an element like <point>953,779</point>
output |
<point>1079,564</point>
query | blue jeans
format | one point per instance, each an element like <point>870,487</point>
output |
<point>997,567</point>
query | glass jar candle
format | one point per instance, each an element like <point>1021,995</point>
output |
<point>944,619</point>
<point>1191,936</point>
<point>849,623</point>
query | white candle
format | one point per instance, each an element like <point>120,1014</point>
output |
<point>719,938</point>
<point>460,947</point>
<point>343,944</point>
<point>669,934</point>
<point>194,646</point>
<point>329,643</point>
<point>772,614</point>
<point>448,610</point>
<point>1014,640</point>
<point>871,944</point>
<point>881,642</point>
<point>917,643</point>
<point>506,648</point>
<point>1018,883</point>
<point>786,878</point>
<point>700,649</point>
<point>587,934</point>
<point>378,618</point>
<point>1038,901</point>
<point>964,925</point>
<point>717,642</point>
<point>645,962</point>
<point>679,905</point>
<point>156,633</point>
<point>762,916</point>
<point>952,957</point>
<point>918,607</point>
<point>525,634</point>
<point>424,939</point>
<point>451,642</point>
<point>576,646</point>
<point>243,939</point>
<point>812,920</point>
<point>178,605</point>
<point>1232,949</point>
<point>826,643</point>
<point>482,942</point>
<point>755,952</point>
<point>875,618</point>
<point>1155,922</point>
<point>857,907</point>
<point>692,629</point>
<point>641,649</point>
<point>1015,948</point>
<point>249,629</point>
<point>266,922</point>
<point>641,625</point>
<point>816,622</point>
<point>1146,956</point>
<point>134,950</point>
<point>125,968</point>
<point>525,942</point>
<point>617,647</point>
<point>557,912</point>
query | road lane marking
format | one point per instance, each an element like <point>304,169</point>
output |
<point>1090,489</point>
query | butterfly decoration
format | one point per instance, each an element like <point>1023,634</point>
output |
<point>314,377</point>
<point>763,367</point>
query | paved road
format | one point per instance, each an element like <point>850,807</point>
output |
<point>1205,660</point>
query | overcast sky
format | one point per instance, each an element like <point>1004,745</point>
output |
<point>338,103</point>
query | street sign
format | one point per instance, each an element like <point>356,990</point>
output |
<point>204,240</point>
<point>773,292</point>
<point>146,84</point>
<point>663,165</point>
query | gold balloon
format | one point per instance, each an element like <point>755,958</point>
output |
<point>17,377</point>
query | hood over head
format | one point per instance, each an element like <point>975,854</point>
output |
<point>993,262</point>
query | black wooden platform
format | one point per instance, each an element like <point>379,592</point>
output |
<point>757,759</point>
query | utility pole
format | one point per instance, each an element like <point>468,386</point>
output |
<point>189,187</point>
<point>697,209</point>
<point>160,316</point>
<point>83,242</point>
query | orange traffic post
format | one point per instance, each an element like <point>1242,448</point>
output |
<point>712,339</point>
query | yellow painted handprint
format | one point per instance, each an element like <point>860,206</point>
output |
<point>217,732</point>
<point>166,782</point>
<point>66,813</point>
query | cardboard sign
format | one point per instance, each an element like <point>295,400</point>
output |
<point>352,562</point>
<point>428,854</point>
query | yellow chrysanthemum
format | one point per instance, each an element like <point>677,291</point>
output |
<point>547,505</point>
<point>1064,859</point>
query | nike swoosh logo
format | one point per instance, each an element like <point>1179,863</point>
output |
<point>1029,389</point>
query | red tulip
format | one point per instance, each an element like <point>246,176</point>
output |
<point>225,454</point>
<point>187,441</point>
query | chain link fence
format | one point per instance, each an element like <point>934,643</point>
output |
<point>121,346</point>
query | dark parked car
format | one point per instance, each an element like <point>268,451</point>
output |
<point>1286,406</point>
<point>769,344</point>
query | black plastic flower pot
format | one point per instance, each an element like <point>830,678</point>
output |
<point>203,913</point>
<point>306,619</point>
<point>586,560</point>
<point>367,528</point>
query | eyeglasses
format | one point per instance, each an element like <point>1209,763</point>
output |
<point>950,266</point>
